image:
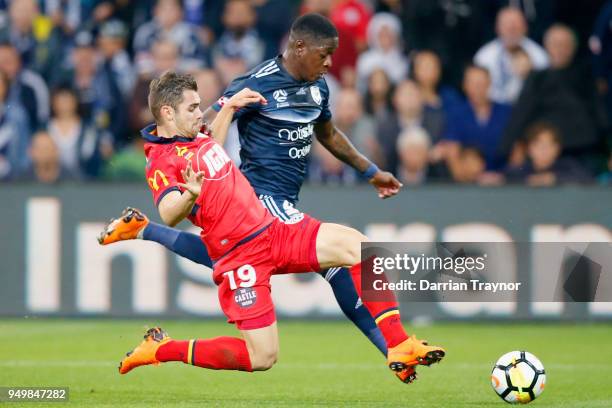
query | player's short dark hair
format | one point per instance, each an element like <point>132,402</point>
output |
<point>313,26</point>
<point>168,90</point>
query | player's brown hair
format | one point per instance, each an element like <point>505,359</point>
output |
<point>167,90</point>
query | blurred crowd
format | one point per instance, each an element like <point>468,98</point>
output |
<point>485,92</point>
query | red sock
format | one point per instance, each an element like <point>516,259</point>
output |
<point>220,353</point>
<point>385,313</point>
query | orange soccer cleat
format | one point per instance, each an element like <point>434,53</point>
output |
<point>412,352</point>
<point>131,222</point>
<point>144,354</point>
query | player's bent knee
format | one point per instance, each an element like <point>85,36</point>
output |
<point>262,361</point>
<point>338,245</point>
<point>353,247</point>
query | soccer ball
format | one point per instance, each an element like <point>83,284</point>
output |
<point>518,377</point>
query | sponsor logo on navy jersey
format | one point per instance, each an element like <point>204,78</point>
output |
<point>275,139</point>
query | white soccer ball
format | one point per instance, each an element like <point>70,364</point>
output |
<point>518,377</point>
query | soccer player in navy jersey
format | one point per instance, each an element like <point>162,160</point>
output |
<point>275,141</point>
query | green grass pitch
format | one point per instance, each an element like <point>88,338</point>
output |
<point>321,364</point>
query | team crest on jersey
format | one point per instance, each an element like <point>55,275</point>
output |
<point>213,161</point>
<point>316,94</point>
<point>280,95</point>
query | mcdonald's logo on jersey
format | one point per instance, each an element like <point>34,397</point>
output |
<point>153,180</point>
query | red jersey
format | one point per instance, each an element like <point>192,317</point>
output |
<point>227,210</point>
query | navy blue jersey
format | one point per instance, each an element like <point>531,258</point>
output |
<point>275,139</point>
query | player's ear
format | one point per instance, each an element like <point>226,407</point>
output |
<point>300,48</point>
<point>167,113</point>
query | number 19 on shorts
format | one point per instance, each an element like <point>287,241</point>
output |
<point>245,275</point>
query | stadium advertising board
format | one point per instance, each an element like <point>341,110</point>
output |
<point>53,265</point>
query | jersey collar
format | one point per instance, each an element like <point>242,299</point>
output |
<point>279,62</point>
<point>149,134</point>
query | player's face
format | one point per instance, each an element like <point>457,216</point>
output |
<point>316,59</point>
<point>188,115</point>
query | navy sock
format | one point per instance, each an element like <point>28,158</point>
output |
<point>182,243</point>
<point>348,300</point>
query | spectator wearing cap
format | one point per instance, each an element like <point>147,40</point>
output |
<point>384,32</point>
<point>28,89</point>
<point>33,35</point>
<point>115,70</point>
<point>240,40</point>
<point>167,24</point>
<point>496,56</point>
<point>79,72</point>
<point>14,133</point>
<point>545,166</point>
<point>112,39</point>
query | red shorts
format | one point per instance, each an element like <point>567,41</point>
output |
<point>243,274</point>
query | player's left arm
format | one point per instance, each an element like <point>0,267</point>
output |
<point>340,146</point>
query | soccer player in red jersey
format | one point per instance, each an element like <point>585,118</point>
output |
<point>191,176</point>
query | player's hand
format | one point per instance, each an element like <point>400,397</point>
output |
<point>193,180</point>
<point>246,97</point>
<point>386,184</point>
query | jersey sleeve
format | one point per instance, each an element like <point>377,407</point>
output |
<point>163,177</point>
<point>325,110</point>
<point>234,87</point>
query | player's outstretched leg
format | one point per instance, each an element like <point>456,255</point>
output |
<point>338,245</point>
<point>134,224</point>
<point>257,351</point>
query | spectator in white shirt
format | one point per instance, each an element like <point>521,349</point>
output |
<point>496,56</point>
